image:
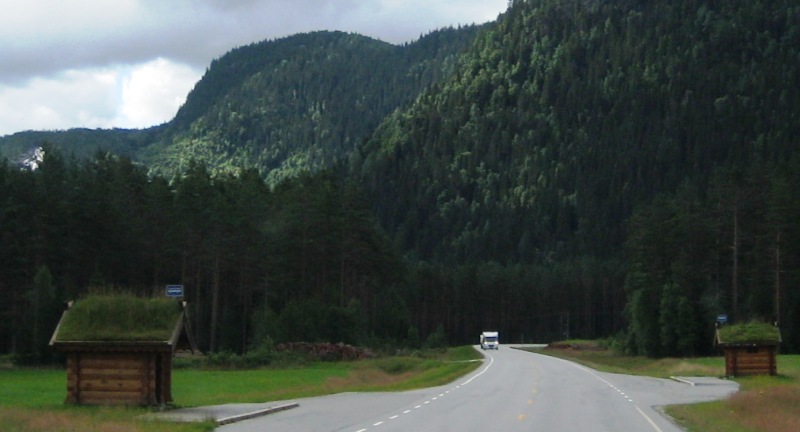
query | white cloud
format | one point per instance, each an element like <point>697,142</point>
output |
<point>75,97</point>
<point>122,96</point>
<point>153,92</point>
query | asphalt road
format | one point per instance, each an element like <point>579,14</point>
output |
<point>513,391</point>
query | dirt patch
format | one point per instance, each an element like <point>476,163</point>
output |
<point>46,421</point>
<point>359,378</point>
<point>577,346</point>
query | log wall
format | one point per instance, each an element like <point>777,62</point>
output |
<point>742,360</point>
<point>118,378</point>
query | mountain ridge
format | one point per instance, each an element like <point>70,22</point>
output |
<point>255,105</point>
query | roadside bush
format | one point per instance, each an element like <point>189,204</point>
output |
<point>224,359</point>
<point>261,356</point>
<point>437,339</point>
<point>193,362</point>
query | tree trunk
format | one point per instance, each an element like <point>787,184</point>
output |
<point>735,248</point>
<point>214,305</point>
<point>778,277</point>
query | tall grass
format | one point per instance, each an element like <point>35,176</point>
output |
<point>763,404</point>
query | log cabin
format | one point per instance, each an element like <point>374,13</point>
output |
<point>749,349</point>
<point>119,349</point>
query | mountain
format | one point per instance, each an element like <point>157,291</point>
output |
<point>567,115</point>
<point>282,106</point>
<point>302,102</point>
<point>605,167</point>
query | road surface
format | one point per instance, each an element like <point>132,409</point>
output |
<point>512,391</point>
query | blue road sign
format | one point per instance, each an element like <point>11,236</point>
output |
<point>174,290</point>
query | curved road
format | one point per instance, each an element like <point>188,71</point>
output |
<point>512,391</point>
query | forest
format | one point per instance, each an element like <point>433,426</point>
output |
<point>623,170</point>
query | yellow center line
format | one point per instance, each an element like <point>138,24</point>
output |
<point>521,417</point>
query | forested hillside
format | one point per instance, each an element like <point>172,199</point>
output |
<point>568,117</point>
<point>81,143</point>
<point>587,169</point>
<point>300,103</point>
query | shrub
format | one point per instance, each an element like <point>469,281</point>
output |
<point>437,339</point>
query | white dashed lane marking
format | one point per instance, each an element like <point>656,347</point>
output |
<point>491,360</point>
<point>646,417</point>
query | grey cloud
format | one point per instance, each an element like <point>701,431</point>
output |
<point>188,32</point>
<point>196,31</point>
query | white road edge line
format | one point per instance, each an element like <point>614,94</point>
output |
<point>491,360</point>
<point>591,372</point>
<point>649,420</point>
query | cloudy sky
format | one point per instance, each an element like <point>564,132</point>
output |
<point>130,63</point>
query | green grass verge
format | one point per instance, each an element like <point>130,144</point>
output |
<point>32,399</point>
<point>763,404</point>
<point>592,354</point>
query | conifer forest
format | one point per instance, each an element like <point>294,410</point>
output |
<point>626,170</point>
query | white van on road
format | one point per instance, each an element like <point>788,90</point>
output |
<point>490,340</point>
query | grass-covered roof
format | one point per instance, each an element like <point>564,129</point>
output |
<point>119,317</point>
<point>748,333</point>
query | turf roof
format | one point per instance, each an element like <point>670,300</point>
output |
<point>749,332</point>
<point>119,318</point>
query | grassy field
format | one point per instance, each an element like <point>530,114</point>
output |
<point>32,399</point>
<point>763,404</point>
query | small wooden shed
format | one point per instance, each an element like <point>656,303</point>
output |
<point>750,349</point>
<point>119,349</point>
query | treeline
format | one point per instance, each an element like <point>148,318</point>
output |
<point>81,142</point>
<point>302,262</point>
<point>306,261</point>
<point>731,249</point>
